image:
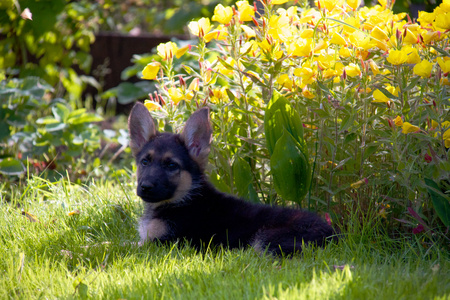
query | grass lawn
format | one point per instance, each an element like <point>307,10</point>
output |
<point>82,245</point>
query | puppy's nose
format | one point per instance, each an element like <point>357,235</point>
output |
<point>147,187</point>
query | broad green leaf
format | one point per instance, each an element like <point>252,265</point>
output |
<point>11,166</point>
<point>128,92</point>
<point>46,120</point>
<point>219,183</point>
<point>440,203</point>
<point>86,118</point>
<point>55,127</point>
<point>280,115</point>
<point>290,169</point>
<point>4,130</point>
<point>242,176</point>
<point>61,112</point>
<point>369,151</point>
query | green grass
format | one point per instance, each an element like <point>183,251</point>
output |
<point>92,254</point>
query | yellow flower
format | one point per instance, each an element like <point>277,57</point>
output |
<point>434,124</point>
<point>219,94</point>
<point>246,11</point>
<point>397,57</point>
<point>379,34</point>
<point>423,69</point>
<point>398,121</point>
<point>300,47</point>
<point>226,69</point>
<point>181,51</point>
<point>379,97</point>
<point>442,21</point>
<point>446,135</point>
<point>353,22</point>
<point>151,105</point>
<point>278,1</point>
<point>307,33</point>
<point>326,61</point>
<point>336,70</point>
<point>383,3</point>
<point>306,73</point>
<point>426,18</point>
<point>284,81</point>
<point>359,183</point>
<point>330,4</point>
<point>219,34</point>
<point>151,70</point>
<point>337,39</point>
<point>352,70</point>
<point>167,50</point>
<point>412,55</point>
<point>307,93</point>
<point>175,94</point>
<point>409,128</point>
<point>429,36</point>
<point>345,52</point>
<point>250,48</point>
<point>354,4</point>
<point>410,37</point>
<point>193,87</point>
<point>444,64</point>
<point>361,40</point>
<point>374,67</point>
<point>280,27</point>
<point>222,14</point>
<point>200,28</point>
<point>249,32</point>
<point>322,44</point>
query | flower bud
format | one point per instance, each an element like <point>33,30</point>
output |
<point>344,75</point>
<point>255,22</point>
<point>182,82</point>
<point>390,123</point>
<point>398,35</point>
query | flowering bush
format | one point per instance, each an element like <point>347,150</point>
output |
<point>370,87</point>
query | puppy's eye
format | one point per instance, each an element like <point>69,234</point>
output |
<point>145,162</point>
<point>172,166</point>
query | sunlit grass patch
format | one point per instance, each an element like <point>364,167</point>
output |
<point>93,254</point>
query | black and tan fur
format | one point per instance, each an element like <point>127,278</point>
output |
<point>180,203</point>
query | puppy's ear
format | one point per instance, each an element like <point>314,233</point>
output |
<point>140,126</point>
<point>197,134</point>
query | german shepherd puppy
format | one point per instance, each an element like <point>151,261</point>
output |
<point>180,203</point>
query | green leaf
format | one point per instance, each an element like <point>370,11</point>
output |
<point>290,169</point>
<point>280,115</point>
<point>46,120</point>
<point>219,183</point>
<point>242,176</point>
<point>11,166</point>
<point>61,112</point>
<point>128,93</point>
<point>55,127</point>
<point>85,118</point>
<point>369,151</point>
<point>440,202</point>
<point>4,130</point>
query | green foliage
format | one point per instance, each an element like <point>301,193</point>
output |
<point>51,45</point>
<point>441,202</point>
<point>46,132</point>
<point>289,162</point>
<point>154,16</point>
